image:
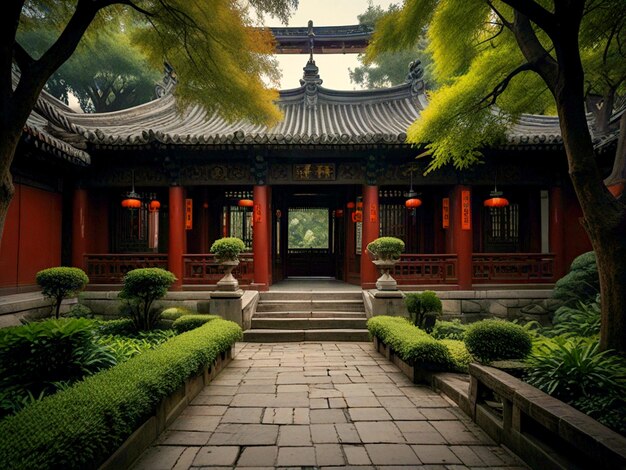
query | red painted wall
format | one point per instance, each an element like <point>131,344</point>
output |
<point>32,236</point>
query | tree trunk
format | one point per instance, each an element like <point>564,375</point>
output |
<point>9,140</point>
<point>604,216</point>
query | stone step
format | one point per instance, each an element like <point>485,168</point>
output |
<point>302,314</point>
<point>292,323</point>
<point>310,305</point>
<point>309,295</point>
<point>271,336</point>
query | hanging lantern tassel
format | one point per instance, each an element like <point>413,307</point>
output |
<point>132,200</point>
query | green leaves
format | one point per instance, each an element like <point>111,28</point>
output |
<point>191,322</point>
<point>59,283</point>
<point>497,340</point>
<point>386,247</point>
<point>227,248</point>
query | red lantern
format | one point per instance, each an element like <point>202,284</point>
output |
<point>154,206</point>
<point>357,216</point>
<point>131,203</point>
<point>413,203</point>
<point>246,203</point>
<point>339,213</point>
<point>496,202</point>
<point>351,205</point>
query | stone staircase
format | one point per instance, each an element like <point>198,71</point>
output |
<point>308,316</point>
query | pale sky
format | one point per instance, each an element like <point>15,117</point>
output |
<point>333,67</point>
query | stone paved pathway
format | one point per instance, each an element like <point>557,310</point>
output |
<point>321,405</point>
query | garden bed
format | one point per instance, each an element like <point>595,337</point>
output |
<point>127,405</point>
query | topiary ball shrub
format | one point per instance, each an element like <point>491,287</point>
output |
<point>386,248</point>
<point>227,248</point>
<point>191,322</point>
<point>449,330</point>
<point>497,340</point>
<point>141,288</point>
<point>581,283</point>
<point>60,283</point>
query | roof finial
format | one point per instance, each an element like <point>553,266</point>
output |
<point>311,35</point>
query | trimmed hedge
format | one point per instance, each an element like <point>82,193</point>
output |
<point>449,330</point>
<point>174,313</point>
<point>459,355</point>
<point>497,340</point>
<point>82,426</point>
<point>191,322</point>
<point>411,344</point>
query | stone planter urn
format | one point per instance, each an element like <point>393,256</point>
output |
<point>386,282</point>
<point>228,283</point>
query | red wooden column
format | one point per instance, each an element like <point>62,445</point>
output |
<point>462,233</point>
<point>260,239</point>
<point>556,230</point>
<point>176,244</point>
<point>79,222</point>
<point>371,228</point>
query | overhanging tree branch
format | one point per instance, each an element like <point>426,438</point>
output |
<point>536,13</point>
<point>491,98</point>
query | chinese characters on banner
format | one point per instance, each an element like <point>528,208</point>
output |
<point>466,211</point>
<point>188,214</point>
<point>445,217</point>
<point>373,213</point>
<point>258,213</point>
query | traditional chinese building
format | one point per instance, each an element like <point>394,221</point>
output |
<point>340,153</point>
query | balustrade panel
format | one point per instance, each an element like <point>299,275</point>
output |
<point>205,269</point>
<point>426,269</point>
<point>512,267</point>
<point>111,268</point>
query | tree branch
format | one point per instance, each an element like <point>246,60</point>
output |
<point>137,8</point>
<point>504,21</point>
<point>22,58</point>
<point>536,13</point>
<point>491,98</point>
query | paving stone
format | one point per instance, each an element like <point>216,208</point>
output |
<point>292,388</point>
<point>186,458</point>
<point>184,438</point>
<point>195,423</point>
<point>435,454</point>
<point>216,456</point>
<point>301,416</point>
<point>381,431</point>
<point>386,390</point>
<point>467,455</point>
<point>420,432</point>
<point>219,390</point>
<point>337,403</point>
<point>292,435</point>
<point>392,454</point>
<point>329,454</point>
<point>362,402</point>
<point>356,455</point>
<point>258,456</point>
<point>455,432</point>
<point>369,414</point>
<point>278,416</point>
<point>212,400</point>
<point>159,458</point>
<point>437,414</point>
<point>245,434</point>
<point>323,433</point>
<point>205,410</point>
<point>257,388</point>
<point>406,414</point>
<point>328,416</point>
<point>325,393</point>
<point>396,402</point>
<point>242,415</point>
<point>296,456</point>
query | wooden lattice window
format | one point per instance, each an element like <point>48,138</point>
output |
<point>236,220</point>
<point>502,228</point>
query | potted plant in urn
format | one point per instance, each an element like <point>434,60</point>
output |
<point>385,253</point>
<point>226,251</point>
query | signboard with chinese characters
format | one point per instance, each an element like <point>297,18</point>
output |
<point>188,214</point>
<point>466,211</point>
<point>314,172</point>
<point>258,213</point>
<point>373,212</point>
<point>445,216</point>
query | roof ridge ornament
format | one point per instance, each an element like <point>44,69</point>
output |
<point>168,82</point>
<point>415,77</point>
<point>311,79</point>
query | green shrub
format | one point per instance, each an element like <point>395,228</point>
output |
<point>37,358</point>
<point>460,357</point>
<point>411,344</point>
<point>120,326</point>
<point>190,322</point>
<point>583,320</point>
<point>174,313</point>
<point>141,288</point>
<point>79,311</point>
<point>610,410</point>
<point>82,426</point>
<point>386,247</point>
<point>572,369</point>
<point>581,283</point>
<point>125,347</point>
<point>449,330</point>
<point>497,340</point>
<point>60,283</point>
<point>423,308</point>
<point>227,248</point>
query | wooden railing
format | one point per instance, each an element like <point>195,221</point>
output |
<point>110,268</point>
<point>204,269</point>
<point>426,269</point>
<point>501,268</point>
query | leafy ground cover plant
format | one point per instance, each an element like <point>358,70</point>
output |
<point>582,320</point>
<point>497,340</point>
<point>60,283</point>
<point>39,358</point>
<point>97,414</point>
<point>141,288</point>
<point>126,347</point>
<point>449,330</point>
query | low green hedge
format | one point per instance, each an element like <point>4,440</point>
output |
<point>411,344</point>
<point>460,357</point>
<point>497,340</point>
<point>449,330</point>
<point>174,313</point>
<point>191,322</point>
<point>83,425</point>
